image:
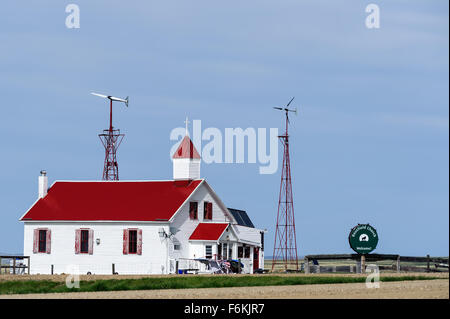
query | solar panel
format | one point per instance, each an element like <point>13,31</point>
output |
<point>241,217</point>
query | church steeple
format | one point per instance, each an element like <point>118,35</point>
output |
<point>186,159</point>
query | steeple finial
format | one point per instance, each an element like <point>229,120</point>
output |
<point>187,126</point>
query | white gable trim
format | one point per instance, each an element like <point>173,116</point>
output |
<point>214,195</point>
<point>187,200</point>
<point>221,204</point>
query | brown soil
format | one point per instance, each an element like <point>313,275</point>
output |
<point>407,289</point>
<point>421,289</point>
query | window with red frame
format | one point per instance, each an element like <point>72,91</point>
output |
<point>207,210</point>
<point>84,241</point>
<point>132,241</point>
<point>193,210</point>
<point>42,241</point>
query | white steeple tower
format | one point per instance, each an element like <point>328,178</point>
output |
<point>186,159</point>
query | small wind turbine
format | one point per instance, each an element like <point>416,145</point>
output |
<point>112,98</point>
<point>286,109</point>
<point>111,139</point>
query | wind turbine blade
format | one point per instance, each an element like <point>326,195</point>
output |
<point>290,101</point>
<point>117,99</point>
<point>101,95</point>
<point>277,108</point>
<point>126,101</point>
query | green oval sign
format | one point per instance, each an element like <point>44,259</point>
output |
<point>363,238</point>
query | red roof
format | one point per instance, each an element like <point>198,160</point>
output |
<point>186,149</point>
<point>208,231</point>
<point>112,200</point>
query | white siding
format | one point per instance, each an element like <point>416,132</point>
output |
<point>197,250</point>
<point>157,253</point>
<point>186,168</point>
<point>184,226</point>
<point>110,250</point>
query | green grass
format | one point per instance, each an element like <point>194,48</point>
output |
<point>46,286</point>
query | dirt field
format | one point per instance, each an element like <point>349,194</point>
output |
<point>407,289</point>
<point>422,289</point>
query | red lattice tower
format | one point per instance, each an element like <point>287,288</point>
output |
<point>285,246</point>
<point>111,139</point>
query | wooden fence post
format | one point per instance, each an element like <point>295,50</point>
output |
<point>28,264</point>
<point>306,266</point>
<point>113,269</point>
<point>428,263</point>
<point>52,269</point>
<point>14,265</point>
<point>398,263</point>
<point>363,264</point>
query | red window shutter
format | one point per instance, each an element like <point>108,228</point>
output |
<point>139,242</point>
<point>209,210</point>
<point>91,242</point>
<point>125,241</point>
<point>48,241</point>
<point>205,210</point>
<point>193,209</point>
<point>35,240</point>
<point>77,240</point>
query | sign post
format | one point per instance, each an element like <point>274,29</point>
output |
<point>363,239</point>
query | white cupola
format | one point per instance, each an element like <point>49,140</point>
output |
<point>186,160</point>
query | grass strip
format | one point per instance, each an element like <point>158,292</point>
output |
<point>183,282</point>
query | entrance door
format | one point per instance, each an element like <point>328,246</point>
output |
<point>219,252</point>
<point>255,258</point>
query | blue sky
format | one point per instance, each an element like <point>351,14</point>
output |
<point>369,145</point>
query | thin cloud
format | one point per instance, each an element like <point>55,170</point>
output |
<point>436,122</point>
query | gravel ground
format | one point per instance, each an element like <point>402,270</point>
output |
<point>424,289</point>
<point>421,289</point>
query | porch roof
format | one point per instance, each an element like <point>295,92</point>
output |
<point>208,231</point>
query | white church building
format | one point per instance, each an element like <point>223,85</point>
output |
<point>137,227</point>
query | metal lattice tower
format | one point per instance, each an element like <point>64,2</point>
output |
<point>111,139</point>
<point>285,246</point>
